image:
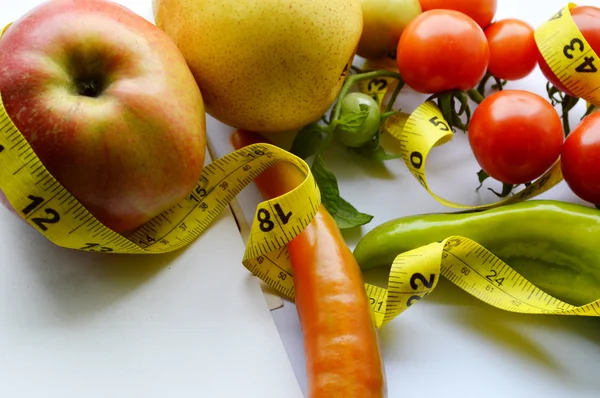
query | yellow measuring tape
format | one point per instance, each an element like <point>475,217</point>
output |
<point>425,129</point>
<point>470,266</point>
<point>473,268</point>
<point>569,55</point>
<point>53,211</point>
<point>48,207</point>
<point>570,58</point>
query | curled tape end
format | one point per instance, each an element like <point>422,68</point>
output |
<point>5,29</point>
<point>445,139</point>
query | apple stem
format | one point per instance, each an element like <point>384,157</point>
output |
<point>89,87</point>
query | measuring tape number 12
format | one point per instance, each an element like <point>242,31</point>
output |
<point>48,207</point>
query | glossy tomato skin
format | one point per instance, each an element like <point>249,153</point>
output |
<point>513,51</point>
<point>587,19</point>
<point>580,159</point>
<point>482,11</point>
<point>515,136</point>
<point>423,48</point>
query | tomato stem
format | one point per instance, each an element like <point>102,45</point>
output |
<point>482,84</point>
<point>394,96</point>
<point>356,69</point>
<point>348,84</point>
<point>566,102</point>
<point>328,137</point>
<point>498,86</point>
<point>447,103</point>
<point>387,114</point>
<point>475,96</point>
<point>565,122</point>
<point>506,190</point>
<point>352,80</point>
<point>591,108</point>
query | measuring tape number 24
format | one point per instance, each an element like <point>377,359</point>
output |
<point>464,262</point>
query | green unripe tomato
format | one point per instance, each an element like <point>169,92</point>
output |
<point>355,135</point>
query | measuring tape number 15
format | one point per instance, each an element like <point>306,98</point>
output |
<point>47,206</point>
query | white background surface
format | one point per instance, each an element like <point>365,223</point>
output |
<point>188,324</point>
<point>95,327</point>
<point>450,344</point>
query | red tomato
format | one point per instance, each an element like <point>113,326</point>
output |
<point>482,11</point>
<point>442,50</point>
<point>587,19</point>
<point>580,159</point>
<point>515,136</point>
<point>513,51</point>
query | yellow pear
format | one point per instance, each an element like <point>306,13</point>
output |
<point>265,65</point>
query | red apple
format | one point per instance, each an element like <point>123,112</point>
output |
<point>109,106</point>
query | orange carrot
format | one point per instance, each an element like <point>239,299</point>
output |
<point>340,340</point>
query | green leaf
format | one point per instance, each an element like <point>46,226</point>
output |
<point>348,217</point>
<point>482,176</point>
<point>375,152</point>
<point>506,188</point>
<point>327,183</point>
<point>352,121</point>
<point>307,141</point>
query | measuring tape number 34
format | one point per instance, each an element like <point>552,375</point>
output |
<point>464,262</point>
<point>47,206</point>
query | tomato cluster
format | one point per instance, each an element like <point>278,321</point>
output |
<point>505,49</point>
<point>515,135</point>
<point>450,49</point>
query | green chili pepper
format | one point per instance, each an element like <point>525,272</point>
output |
<point>555,245</point>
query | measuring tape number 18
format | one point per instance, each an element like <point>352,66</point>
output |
<point>47,206</point>
<point>54,212</point>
